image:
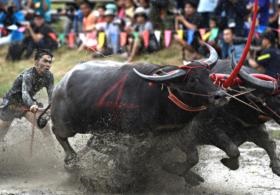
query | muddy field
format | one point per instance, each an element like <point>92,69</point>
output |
<point>44,172</point>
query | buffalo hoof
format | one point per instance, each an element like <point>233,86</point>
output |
<point>193,179</point>
<point>71,158</point>
<point>231,163</point>
<point>276,167</point>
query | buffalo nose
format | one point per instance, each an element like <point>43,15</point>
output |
<point>219,98</point>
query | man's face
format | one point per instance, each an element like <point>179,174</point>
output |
<point>228,36</point>
<point>140,19</point>
<point>101,12</point>
<point>43,64</point>
<point>265,43</point>
<point>85,9</point>
<point>189,10</point>
<point>38,21</point>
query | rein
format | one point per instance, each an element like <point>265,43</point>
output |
<point>179,103</point>
<point>173,98</point>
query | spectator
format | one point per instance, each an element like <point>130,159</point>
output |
<point>129,8</point>
<point>39,35</point>
<point>211,36</point>
<point>206,8</point>
<point>142,24</point>
<point>89,26</point>
<point>268,61</point>
<point>232,15</point>
<point>189,22</point>
<point>263,11</point>
<point>41,6</point>
<point>230,44</point>
<point>112,32</point>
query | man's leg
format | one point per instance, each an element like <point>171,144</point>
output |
<point>4,127</point>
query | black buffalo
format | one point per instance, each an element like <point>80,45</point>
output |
<point>112,97</point>
<point>231,125</point>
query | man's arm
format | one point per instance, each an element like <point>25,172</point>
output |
<point>26,87</point>
<point>186,23</point>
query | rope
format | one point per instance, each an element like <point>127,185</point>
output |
<point>32,134</point>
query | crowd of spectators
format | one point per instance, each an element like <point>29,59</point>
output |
<point>132,27</point>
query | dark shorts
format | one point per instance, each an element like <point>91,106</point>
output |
<point>11,111</point>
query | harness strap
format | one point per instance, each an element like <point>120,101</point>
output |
<point>181,104</point>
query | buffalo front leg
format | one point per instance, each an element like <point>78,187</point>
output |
<point>71,155</point>
<point>261,138</point>
<point>222,141</point>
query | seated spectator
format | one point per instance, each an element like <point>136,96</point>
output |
<point>38,35</point>
<point>142,24</point>
<point>230,43</point>
<point>129,8</point>
<point>89,26</point>
<point>189,22</point>
<point>211,36</point>
<point>268,61</point>
<point>112,31</point>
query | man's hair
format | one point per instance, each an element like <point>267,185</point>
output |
<point>40,52</point>
<point>87,3</point>
<point>270,36</point>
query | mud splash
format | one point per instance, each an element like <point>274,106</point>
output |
<point>44,172</point>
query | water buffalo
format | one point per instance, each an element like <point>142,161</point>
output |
<point>231,125</point>
<point>135,98</point>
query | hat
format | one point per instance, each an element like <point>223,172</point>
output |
<point>111,6</point>
<point>140,11</point>
<point>109,12</point>
<point>38,14</point>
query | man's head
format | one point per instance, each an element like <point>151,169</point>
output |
<point>213,22</point>
<point>86,8</point>
<point>268,40</point>
<point>140,15</point>
<point>228,35</point>
<point>43,60</point>
<point>190,8</point>
<point>109,16</point>
<point>38,19</point>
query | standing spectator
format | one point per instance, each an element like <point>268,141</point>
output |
<point>41,6</point>
<point>142,24</point>
<point>230,44</point>
<point>232,15</point>
<point>268,61</point>
<point>206,8</point>
<point>189,22</point>
<point>263,11</point>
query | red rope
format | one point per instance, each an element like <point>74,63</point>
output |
<point>182,105</point>
<point>234,73</point>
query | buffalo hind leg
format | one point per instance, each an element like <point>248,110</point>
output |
<point>261,138</point>
<point>71,155</point>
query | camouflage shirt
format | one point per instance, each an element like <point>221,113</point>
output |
<point>27,84</point>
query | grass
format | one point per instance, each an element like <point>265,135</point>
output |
<point>66,58</point>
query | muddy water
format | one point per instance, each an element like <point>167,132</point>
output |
<point>44,173</point>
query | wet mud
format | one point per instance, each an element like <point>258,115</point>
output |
<point>121,163</point>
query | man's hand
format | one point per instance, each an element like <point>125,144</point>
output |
<point>180,18</point>
<point>33,108</point>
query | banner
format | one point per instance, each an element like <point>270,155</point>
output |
<point>101,39</point>
<point>167,37</point>
<point>158,35</point>
<point>71,40</point>
<point>146,38</point>
<point>180,34</point>
<point>123,39</point>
